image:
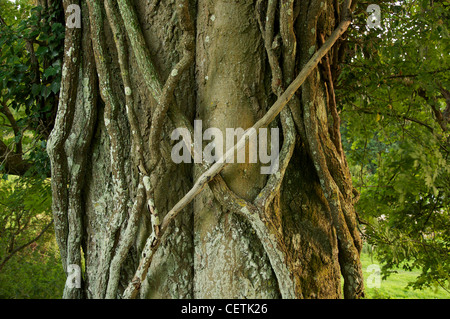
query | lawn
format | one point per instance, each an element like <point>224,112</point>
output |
<point>394,287</point>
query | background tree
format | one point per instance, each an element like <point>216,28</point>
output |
<point>133,73</point>
<point>31,40</point>
<point>30,76</point>
<point>396,109</point>
<point>30,266</point>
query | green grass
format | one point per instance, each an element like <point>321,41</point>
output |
<point>395,286</point>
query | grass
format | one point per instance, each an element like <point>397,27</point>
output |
<point>395,286</point>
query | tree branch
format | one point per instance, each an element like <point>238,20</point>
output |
<point>408,118</point>
<point>14,163</point>
<point>7,112</point>
<point>24,245</point>
<point>265,120</point>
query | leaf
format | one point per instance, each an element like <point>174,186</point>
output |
<point>50,71</point>
<point>378,117</point>
<point>46,91</point>
<point>41,50</point>
<point>55,86</point>
<point>36,89</point>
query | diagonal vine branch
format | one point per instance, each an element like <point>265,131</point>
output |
<point>153,242</point>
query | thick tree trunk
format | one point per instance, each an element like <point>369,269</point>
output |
<point>138,70</point>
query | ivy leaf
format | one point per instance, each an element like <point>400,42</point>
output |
<point>41,50</point>
<point>55,86</point>
<point>36,89</point>
<point>46,91</point>
<point>50,71</point>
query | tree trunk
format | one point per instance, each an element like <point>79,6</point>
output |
<point>137,70</point>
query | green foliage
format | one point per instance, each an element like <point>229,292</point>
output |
<point>34,270</point>
<point>392,92</point>
<point>33,274</point>
<point>31,45</point>
<point>396,287</point>
<point>31,58</point>
<point>12,12</point>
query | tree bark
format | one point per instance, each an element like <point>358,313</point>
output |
<point>138,70</point>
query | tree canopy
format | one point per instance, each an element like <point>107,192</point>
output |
<point>395,99</point>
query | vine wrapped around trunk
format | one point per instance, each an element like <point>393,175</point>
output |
<point>148,227</point>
